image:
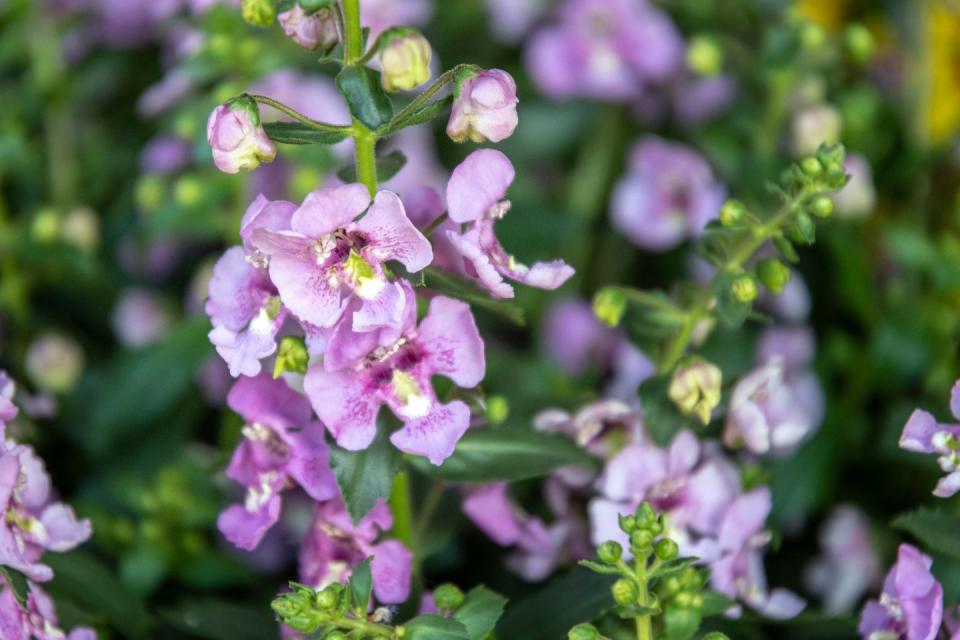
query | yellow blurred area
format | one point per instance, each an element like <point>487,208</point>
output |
<point>829,14</point>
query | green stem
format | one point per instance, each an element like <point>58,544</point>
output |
<point>299,117</point>
<point>439,220</point>
<point>425,514</point>
<point>418,103</point>
<point>643,622</point>
<point>367,627</point>
<point>353,33</point>
<point>365,147</point>
<point>400,506</point>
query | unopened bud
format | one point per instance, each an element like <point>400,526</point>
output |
<point>498,409</point>
<point>812,36</point>
<point>326,599</point>
<point>237,138</point>
<point>628,524</point>
<point>732,213</point>
<point>404,59</point>
<point>609,305</point>
<point>859,42</point>
<point>645,515</point>
<point>773,274</point>
<point>666,549</point>
<point>811,166</point>
<point>258,12</point>
<point>822,206</point>
<point>310,30</point>
<point>448,597</point>
<point>583,632</point>
<point>744,288</point>
<point>704,56</point>
<point>292,356</point>
<point>609,552</point>
<point>641,539</point>
<point>804,229</point>
<point>484,106</point>
<point>54,362</point>
<point>625,591</point>
<point>695,388</point>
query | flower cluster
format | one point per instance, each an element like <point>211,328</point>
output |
<point>911,605</point>
<point>924,434</point>
<point>33,523</point>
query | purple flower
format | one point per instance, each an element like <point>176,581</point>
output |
<point>669,194</point>
<point>8,410</point>
<point>848,565</point>
<point>140,318</point>
<point>475,197</point>
<point>924,434</point>
<point>484,107</point>
<point>446,343</point>
<point>32,522</point>
<point>317,30</point>
<point>510,20</point>
<point>911,605</point>
<point>281,445</point>
<point>237,138</point>
<point>382,14</point>
<point>327,257</point>
<point>334,545</point>
<point>38,620</point>
<point>858,197</point>
<point>165,154</point>
<point>592,50</point>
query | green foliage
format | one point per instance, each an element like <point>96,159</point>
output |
<point>365,476</point>
<point>935,529</point>
<point>368,103</point>
<point>299,133</point>
<point>387,167</point>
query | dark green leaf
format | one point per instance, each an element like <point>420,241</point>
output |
<point>361,584</point>
<point>577,596</point>
<point>424,114</point>
<point>937,530</point>
<point>299,133</point>
<point>462,290</point>
<point>731,312</point>
<point>432,627</point>
<point>680,624</point>
<point>18,582</point>
<point>480,612</point>
<point>629,612</point>
<point>715,603</point>
<point>785,247</point>
<point>598,567</point>
<point>387,167</point>
<point>365,476</point>
<point>491,455</point>
<point>660,415</point>
<point>367,101</point>
<point>221,620</point>
<point>673,566</point>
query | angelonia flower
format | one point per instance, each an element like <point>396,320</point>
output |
<point>511,20</point>
<point>475,198</point>
<point>37,620</point>
<point>591,50</point>
<point>310,30</point>
<point>379,15</point>
<point>923,434</point>
<point>404,59</point>
<point>813,126</point>
<point>237,138</point>
<point>695,388</point>
<point>165,154</point>
<point>859,196</point>
<point>847,566</point>
<point>911,604</point>
<point>484,106</point>
<point>668,195</point>
<point>54,362</point>
<point>140,318</point>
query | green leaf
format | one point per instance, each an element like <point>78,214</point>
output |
<point>367,101</point>
<point>365,476</point>
<point>454,287</point>
<point>680,624</point>
<point>673,566</point>
<point>599,567</point>
<point>221,620</point>
<point>785,247</point>
<point>715,603</point>
<point>433,627</point>
<point>424,114</point>
<point>480,612</point>
<point>935,529</point>
<point>259,13</point>
<point>660,415</point>
<point>548,614</point>
<point>92,587</point>
<point>387,167</point>
<point>18,582</point>
<point>361,583</point>
<point>299,133</point>
<point>503,454</point>
<point>731,312</point>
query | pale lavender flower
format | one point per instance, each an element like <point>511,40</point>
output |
<point>923,434</point>
<point>697,100</point>
<point>813,126</point>
<point>165,154</point>
<point>281,444</point>
<point>163,95</point>
<point>475,197</point>
<point>317,30</point>
<point>140,318</point>
<point>8,410</point>
<point>511,20</point>
<point>237,138</point>
<point>848,564</point>
<point>859,196</point>
<point>484,107</point>
<point>37,620</point>
<point>54,362</point>
<point>383,14</point>
<point>446,343</point>
<point>334,545</point>
<point>669,194</point>
<point>911,605</point>
<point>326,258</point>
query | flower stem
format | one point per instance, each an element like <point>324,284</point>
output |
<point>299,117</point>
<point>364,140</point>
<point>353,36</point>
<point>643,622</point>
<point>401,509</point>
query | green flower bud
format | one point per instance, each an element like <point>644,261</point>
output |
<point>773,274</point>
<point>335,635</point>
<point>291,356</point>
<point>822,206</point>
<point>258,12</point>
<point>811,166</point>
<point>327,599</point>
<point>188,191</point>
<point>45,226</point>
<point>625,591</point>
<point>148,193</point>
<point>672,585</point>
<point>448,597</point>
<point>704,56</point>
<point>744,288</point>
<point>666,549</point>
<point>696,601</point>
<point>812,36</point>
<point>733,212</point>
<point>803,230</point>
<point>646,515</point>
<point>583,632</point>
<point>641,539</point>
<point>691,579</point>
<point>498,409</point>
<point>627,523</point>
<point>656,527</point>
<point>609,552</point>
<point>609,305</point>
<point>716,635</point>
<point>695,388</point>
<point>404,59</point>
<point>859,42</point>
<point>683,599</point>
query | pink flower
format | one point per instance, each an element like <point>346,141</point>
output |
<point>923,434</point>
<point>911,605</point>
<point>475,197</point>
<point>484,107</point>
<point>317,30</point>
<point>446,343</point>
<point>37,620</point>
<point>237,138</point>
<point>848,564</point>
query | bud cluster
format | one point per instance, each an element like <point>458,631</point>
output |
<point>331,611</point>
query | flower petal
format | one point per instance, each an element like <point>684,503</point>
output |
<point>345,405</point>
<point>478,183</point>
<point>393,236</point>
<point>450,337</point>
<point>436,434</point>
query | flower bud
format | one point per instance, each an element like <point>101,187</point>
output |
<point>815,126</point>
<point>609,305</point>
<point>773,274</point>
<point>609,552</point>
<point>625,591</point>
<point>484,106</point>
<point>641,539</point>
<point>404,59</point>
<point>803,230</point>
<point>54,362</point>
<point>627,524</point>
<point>666,549</point>
<point>258,12</point>
<point>859,42</point>
<point>683,599</point>
<point>672,585</point>
<point>317,30</point>
<point>327,599</point>
<point>732,213</point>
<point>498,409</point>
<point>704,56</point>
<point>822,206</point>
<point>812,36</point>
<point>811,166</point>
<point>448,597</point>
<point>744,288</point>
<point>291,356</point>
<point>695,388</point>
<point>583,632</point>
<point>237,138</point>
<point>645,515</point>
<point>335,635</point>
<point>45,226</point>
<point>716,635</point>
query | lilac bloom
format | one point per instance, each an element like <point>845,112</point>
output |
<point>424,206</point>
<point>669,194</point>
<point>382,14</point>
<point>475,196</point>
<point>446,343</point>
<point>923,434</point>
<point>859,196</point>
<point>245,311</point>
<point>326,258</point>
<point>8,410</point>
<point>281,445</point>
<point>316,30</point>
<point>911,605</point>
<point>510,20</point>
<point>38,620</point>
<point>273,215</point>
<point>165,154</point>
<point>140,318</point>
<point>696,99</point>
<point>334,545</point>
<point>237,138</point>
<point>848,565</point>
<point>484,107</point>
<point>601,427</point>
